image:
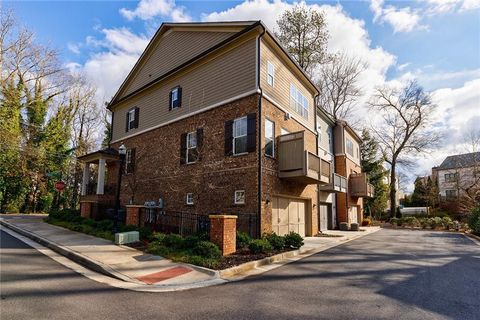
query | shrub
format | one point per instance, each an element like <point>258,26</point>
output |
<point>366,222</point>
<point>174,241</point>
<point>447,222</point>
<point>293,240</point>
<point>435,222</point>
<point>145,233</point>
<point>158,237</point>
<point>474,220</point>
<point>201,261</point>
<point>394,221</point>
<point>243,240</point>
<point>191,241</point>
<point>277,242</point>
<point>105,225</point>
<point>128,227</point>
<point>260,246</point>
<point>206,249</point>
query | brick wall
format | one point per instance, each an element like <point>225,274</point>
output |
<point>344,167</point>
<point>213,179</point>
<point>272,185</point>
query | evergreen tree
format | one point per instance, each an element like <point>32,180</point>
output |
<point>420,194</point>
<point>372,164</point>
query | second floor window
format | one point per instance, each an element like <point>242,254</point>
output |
<point>349,146</point>
<point>451,177</point>
<point>298,102</point>
<point>175,98</point>
<point>451,193</point>
<point>270,73</point>
<point>132,119</point>
<point>269,138</point>
<point>240,135</point>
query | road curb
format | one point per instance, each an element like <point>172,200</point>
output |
<point>70,254</point>
<point>473,236</point>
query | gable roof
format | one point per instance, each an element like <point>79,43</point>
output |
<point>245,26</point>
<point>460,161</point>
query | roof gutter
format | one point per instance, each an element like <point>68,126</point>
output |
<point>259,220</point>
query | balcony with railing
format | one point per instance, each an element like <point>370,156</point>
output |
<point>359,186</point>
<point>337,183</point>
<point>297,163</point>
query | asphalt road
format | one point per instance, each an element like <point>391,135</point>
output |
<point>391,274</point>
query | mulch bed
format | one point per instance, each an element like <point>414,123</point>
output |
<point>242,256</point>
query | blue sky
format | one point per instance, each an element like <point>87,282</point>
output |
<point>434,41</point>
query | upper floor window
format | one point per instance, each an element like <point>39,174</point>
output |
<point>269,138</point>
<point>240,135</point>
<point>270,73</point>
<point>451,177</point>
<point>175,98</point>
<point>132,119</point>
<point>298,102</point>
<point>349,146</point>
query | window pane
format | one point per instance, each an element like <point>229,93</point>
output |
<point>240,145</point>
<point>269,129</point>
<point>240,127</point>
<point>269,148</point>
<point>192,140</point>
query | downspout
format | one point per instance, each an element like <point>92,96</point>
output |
<point>315,101</point>
<point>259,220</point>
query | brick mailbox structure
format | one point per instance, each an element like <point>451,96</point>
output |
<point>133,215</point>
<point>223,232</point>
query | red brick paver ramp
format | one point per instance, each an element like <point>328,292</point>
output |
<point>164,275</point>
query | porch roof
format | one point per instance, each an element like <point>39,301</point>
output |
<point>107,154</point>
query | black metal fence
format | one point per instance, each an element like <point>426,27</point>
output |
<point>185,223</point>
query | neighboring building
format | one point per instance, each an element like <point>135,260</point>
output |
<point>218,118</point>
<point>458,174</point>
<point>347,164</point>
<point>399,195</point>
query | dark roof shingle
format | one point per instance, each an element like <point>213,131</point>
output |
<point>461,161</point>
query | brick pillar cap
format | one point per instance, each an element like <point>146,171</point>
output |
<point>222,216</point>
<point>88,201</point>
<point>134,206</point>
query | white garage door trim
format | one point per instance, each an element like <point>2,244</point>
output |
<point>288,214</point>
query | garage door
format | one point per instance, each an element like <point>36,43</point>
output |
<point>353,214</point>
<point>288,215</point>
<point>323,217</point>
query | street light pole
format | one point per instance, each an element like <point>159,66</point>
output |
<point>122,150</point>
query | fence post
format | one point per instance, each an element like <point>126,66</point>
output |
<point>223,232</point>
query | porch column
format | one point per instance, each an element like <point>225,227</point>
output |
<point>101,176</point>
<point>86,177</point>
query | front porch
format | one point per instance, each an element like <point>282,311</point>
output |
<point>96,194</point>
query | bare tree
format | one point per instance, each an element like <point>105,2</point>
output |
<point>303,32</point>
<point>338,83</point>
<point>402,129</point>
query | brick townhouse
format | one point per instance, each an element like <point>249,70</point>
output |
<point>217,118</point>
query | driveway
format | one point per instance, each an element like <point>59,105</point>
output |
<point>391,274</point>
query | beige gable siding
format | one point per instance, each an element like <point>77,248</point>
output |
<point>280,92</point>
<point>324,143</point>
<point>170,51</point>
<point>226,76</point>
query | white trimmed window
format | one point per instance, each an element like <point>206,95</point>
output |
<point>131,119</point>
<point>269,138</point>
<point>174,98</point>
<point>240,135</point>
<point>189,198</point>
<point>451,193</point>
<point>298,101</point>
<point>349,146</point>
<point>239,197</point>
<point>191,154</point>
<point>270,73</point>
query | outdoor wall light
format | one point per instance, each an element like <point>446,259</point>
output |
<point>122,150</point>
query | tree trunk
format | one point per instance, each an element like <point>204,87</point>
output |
<point>393,192</point>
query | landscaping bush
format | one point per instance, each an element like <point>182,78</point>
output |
<point>158,237</point>
<point>128,228</point>
<point>145,233</point>
<point>243,240</point>
<point>474,220</point>
<point>394,221</point>
<point>260,246</point>
<point>436,222</point>
<point>277,242</point>
<point>207,250</point>
<point>366,222</point>
<point>174,241</point>
<point>447,223</point>
<point>293,240</point>
<point>201,261</point>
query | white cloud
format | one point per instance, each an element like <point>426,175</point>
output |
<point>74,47</point>
<point>401,19</point>
<point>402,67</point>
<point>149,9</point>
<point>435,7</point>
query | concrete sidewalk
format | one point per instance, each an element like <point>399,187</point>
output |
<point>103,256</point>
<point>138,271</point>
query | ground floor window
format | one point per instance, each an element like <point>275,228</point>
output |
<point>190,198</point>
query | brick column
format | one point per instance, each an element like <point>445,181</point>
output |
<point>86,209</point>
<point>133,215</point>
<point>223,232</point>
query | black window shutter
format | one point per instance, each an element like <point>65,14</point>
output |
<point>199,143</point>
<point>251,130</point>
<point>228,137</point>
<point>137,114</point>
<point>170,100</point>
<point>126,126</point>
<point>179,97</point>
<point>183,148</point>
